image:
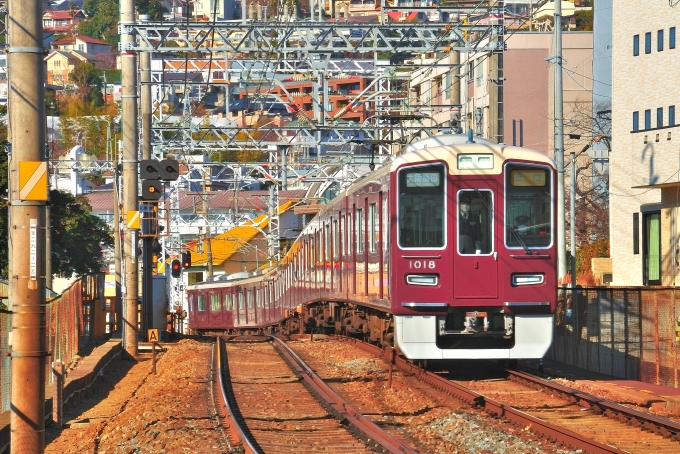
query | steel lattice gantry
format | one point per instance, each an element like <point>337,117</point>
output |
<point>315,41</point>
<point>306,37</point>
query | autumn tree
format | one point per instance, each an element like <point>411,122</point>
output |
<point>83,112</point>
<point>589,127</point>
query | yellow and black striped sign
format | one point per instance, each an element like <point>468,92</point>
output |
<point>33,180</point>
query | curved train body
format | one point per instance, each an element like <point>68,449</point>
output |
<point>392,259</point>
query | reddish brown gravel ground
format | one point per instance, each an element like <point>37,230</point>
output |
<point>135,411</point>
<point>434,423</point>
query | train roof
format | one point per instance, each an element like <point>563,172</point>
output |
<point>447,147</point>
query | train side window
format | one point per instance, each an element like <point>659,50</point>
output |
<point>475,218</point>
<point>348,236</point>
<point>241,306</point>
<point>335,234</point>
<point>528,207</point>
<point>227,302</point>
<point>215,302</point>
<point>373,225</point>
<point>200,303</point>
<point>421,206</point>
<point>360,231</point>
<point>327,243</point>
<point>258,298</point>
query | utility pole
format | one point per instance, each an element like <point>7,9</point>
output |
<point>206,216</point>
<point>496,70</point>
<point>559,143</point>
<point>130,171</point>
<point>27,213</point>
<point>147,240</point>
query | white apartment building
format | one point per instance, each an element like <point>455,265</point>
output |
<point>645,161</point>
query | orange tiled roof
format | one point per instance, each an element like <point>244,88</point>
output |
<point>225,245</point>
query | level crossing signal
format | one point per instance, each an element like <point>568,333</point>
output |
<point>176,268</point>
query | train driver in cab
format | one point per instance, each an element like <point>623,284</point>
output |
<point>469,228</point>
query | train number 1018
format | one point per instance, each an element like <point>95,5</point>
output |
<point>421,264</point>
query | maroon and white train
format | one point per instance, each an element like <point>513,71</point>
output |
<point>388,259</point>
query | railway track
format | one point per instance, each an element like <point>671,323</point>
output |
<point>572,417</point>
<point>278,404</point>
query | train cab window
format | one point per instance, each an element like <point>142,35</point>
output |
<point>421,206</point>
<point>475,218</point>
<point>227,302</point>
<point>528,208</point>
<point>215,302</point>
<point>200,303</point>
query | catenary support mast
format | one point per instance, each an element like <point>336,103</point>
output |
<point>130,171</point>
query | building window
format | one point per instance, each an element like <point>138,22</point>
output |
<point>636,45</point>
<point>636,121</point>
<point>671,115</point>
<point>659,40</point>
<point>648,119</point>
<point>659,117</point>
<point>648,42</point>
<point>671,38</point>
<point>651,248</point>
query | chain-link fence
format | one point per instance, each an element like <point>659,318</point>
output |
<point>66,328</point>
<point>622,332</point>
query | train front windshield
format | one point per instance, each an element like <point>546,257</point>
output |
<point>422,206</point>
<point>528,209</point>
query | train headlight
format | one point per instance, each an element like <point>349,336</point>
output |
<point>422,279</point>
<point>527,279</point>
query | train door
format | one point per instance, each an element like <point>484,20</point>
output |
<point>475,268</point>
<point>250,312</point>
<point>201,313</point>
<point>228,309</point>
<point>241,306</point>
<point>215,309</point>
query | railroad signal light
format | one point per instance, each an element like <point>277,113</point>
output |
<point>169,169</point>
<point>149,169</point>
<point>176,268</point>
<point>152,190</point>
<point>186,259</point>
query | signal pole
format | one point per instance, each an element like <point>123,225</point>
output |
<point>27,221</point>
<point>130,177</point>
<point>147,240</point>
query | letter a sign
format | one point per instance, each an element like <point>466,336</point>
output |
<point>152,334</point>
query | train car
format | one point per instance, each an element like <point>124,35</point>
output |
<point>448,251</point>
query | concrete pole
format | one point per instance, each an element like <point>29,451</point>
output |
<point>147,241</point>
<point>27,228</point>
<point>130,171</point>
<point>572,227</point>
<point>118,308</point>
<point>559,144</point>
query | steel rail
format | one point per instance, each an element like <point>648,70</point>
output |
<point>239,436</point>
<point>518,417</point>
<point>653,423</point>
<point>360,426</point>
